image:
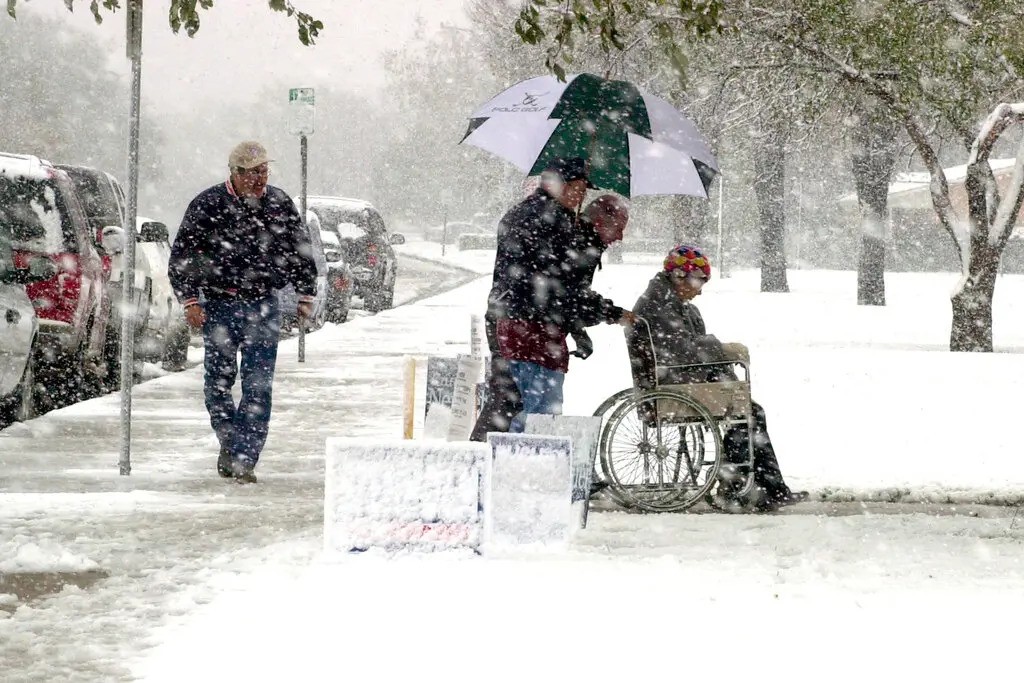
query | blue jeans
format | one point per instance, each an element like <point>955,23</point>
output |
<point>252,327</point>
<point>540,388</point>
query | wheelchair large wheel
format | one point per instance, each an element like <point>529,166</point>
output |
<point>655,461</point>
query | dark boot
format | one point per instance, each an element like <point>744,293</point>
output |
<point>224,462</point>
<point>780,499</point>
<point>243,472</point>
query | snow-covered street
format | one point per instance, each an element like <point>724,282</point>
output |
<point>189,576</point>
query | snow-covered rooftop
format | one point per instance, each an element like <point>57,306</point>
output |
<point>905,190</point>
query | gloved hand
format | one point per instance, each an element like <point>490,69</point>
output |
<point>584,345</point>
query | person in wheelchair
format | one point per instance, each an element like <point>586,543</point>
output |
<point>679,337</point>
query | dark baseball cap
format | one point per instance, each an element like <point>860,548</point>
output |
<point>569,169</point>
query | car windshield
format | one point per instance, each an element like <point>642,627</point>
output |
<point>350,231</point>
<point>347,222</point>
<point>29,214</point>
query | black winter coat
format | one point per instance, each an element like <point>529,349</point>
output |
<point>678,334</point>
<point>238,247</point>
<point>541,274</point>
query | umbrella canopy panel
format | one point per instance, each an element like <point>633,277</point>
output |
<point>635,143</point>
<point>596,117</point>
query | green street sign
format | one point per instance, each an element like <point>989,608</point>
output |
<point>302,110</point>
<point>301,95</point>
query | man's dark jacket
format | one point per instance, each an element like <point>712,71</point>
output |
<point>542,273</point>
<point>245,248</point>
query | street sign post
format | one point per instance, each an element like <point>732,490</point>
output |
<point>302,109</point>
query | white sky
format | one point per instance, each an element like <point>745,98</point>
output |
<point>241,43</point>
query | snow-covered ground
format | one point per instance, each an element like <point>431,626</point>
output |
<point>894,572</point>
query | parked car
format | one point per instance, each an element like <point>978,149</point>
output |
<point>339,279</point>
<point>18,325</point>
<point>290,302</point>
<point>160,331</point>
<point>40,200</point>
<point>366,244</point>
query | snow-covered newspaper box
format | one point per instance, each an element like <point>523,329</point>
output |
<point>527,491</point>
<point>585,433</point>
<point>398,494</point>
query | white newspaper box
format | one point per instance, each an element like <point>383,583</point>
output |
<point>401,494</point>
<point>585,432</point>
<point>527,491</point>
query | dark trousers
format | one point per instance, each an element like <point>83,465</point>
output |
<point>503,401</point>
<point>767,474</point>
<point>252,327</point>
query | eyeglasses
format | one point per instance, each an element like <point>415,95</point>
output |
<point>263,169</point>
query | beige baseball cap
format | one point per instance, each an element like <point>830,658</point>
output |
<point>248,154</point>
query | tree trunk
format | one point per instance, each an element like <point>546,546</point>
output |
<point>972,304</point>
<point>971,329</point>
<point>874,156</point>
<point>770,188</point>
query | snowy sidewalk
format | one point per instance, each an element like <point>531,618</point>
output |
<point>63,506</point>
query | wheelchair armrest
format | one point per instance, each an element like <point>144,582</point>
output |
<point>734,351</point>
<point>713,364</point>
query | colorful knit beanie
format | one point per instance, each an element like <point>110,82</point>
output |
<point>688,259</point>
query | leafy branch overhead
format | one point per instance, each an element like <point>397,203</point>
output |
<point>185,14</point>
<point>559,24</point>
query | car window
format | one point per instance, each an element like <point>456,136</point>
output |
<point>330,240</point>
<point>348,230</point>
<point>30,207</point>
<point>6,257</point>
<point>97,197</point>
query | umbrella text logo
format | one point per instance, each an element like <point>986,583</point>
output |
<point>528,105</point>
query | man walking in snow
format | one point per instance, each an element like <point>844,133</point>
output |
<point>239,242</point>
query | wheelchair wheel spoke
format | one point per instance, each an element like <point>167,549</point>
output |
<point>655,461</point>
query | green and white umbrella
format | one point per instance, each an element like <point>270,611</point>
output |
<point>636,143</point>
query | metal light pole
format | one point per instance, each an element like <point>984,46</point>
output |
<point>718,247</point>
<point>134,41</point>
<point>302,108</point>
<point>304,157</point>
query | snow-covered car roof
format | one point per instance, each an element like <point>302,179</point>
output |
<point>340,202</point>
<point>25,166</point>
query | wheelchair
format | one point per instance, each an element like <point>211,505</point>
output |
<point>662,446</point>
